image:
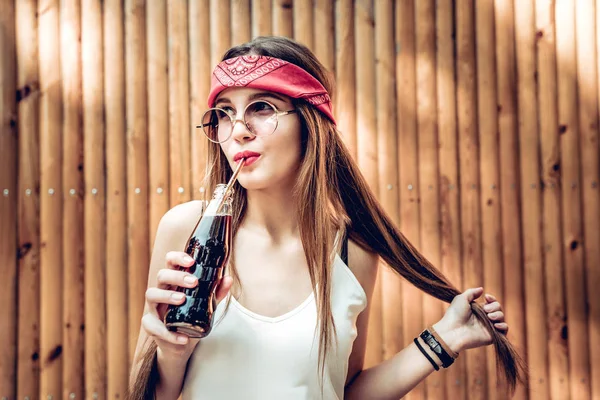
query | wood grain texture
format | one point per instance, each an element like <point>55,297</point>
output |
<point>448,176</point>
<point>9,146</point>
<point>94,204</point>
<point>366,124</point>
<point>117,306</point>
<point>262,22</point>
<point>508,131</point>
<point>304,23</point>
<point>587,90</point>
<point>283,18</point>
<point>200,75</point>
<point>568,123</point>
<point>179,99</point>
<point>220,29</point>
<point>138,256</point>
<point>162,194</point>
<point>28,104</point>
<point>324,31</point>
<point>489,167</point>
<point>51,199</point>
<point>470,209</point>
<point>240,21</point>
<point>72,170</point>
<point>555,382</point>
<point>391,284</point>
<point>428,174</point>
<point>345,96</point>
<point>408,167</point>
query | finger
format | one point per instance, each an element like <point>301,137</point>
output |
<point>501,326</point>
<point>490,298</point>
<point>155,327</point>
<point>497,316</point>
<point>170,277</point>
<point>156,296</point>
<point>473,293</point>
<point>491,307</point>
<point>175,259</point>
<point>223,288</point>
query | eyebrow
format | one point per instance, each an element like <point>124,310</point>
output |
<point>255,96</point>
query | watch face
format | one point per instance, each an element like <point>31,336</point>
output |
<point>431,342</point>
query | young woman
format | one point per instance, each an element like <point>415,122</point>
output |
<point>308,233</point>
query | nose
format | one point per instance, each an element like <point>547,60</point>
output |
<point>240,132</point>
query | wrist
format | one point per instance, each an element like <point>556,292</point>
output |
<point>173,359</point>
<point>452,337</point>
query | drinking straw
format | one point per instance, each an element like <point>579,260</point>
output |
<point>230,183</point>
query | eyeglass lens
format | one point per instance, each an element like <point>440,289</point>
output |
<point>260,118</point>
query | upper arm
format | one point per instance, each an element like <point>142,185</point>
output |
<point>172,233</point>
<point>363,265</point>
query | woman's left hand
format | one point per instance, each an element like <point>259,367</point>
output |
<point>461,329</point>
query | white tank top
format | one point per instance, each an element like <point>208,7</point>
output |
<point>249,356</point>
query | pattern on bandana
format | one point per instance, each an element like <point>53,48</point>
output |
<point>240,71</point>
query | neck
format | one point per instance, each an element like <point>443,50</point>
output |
<point>271,212</point>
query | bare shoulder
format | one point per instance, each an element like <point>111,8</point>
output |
<point>179,221</point>
<point>363,265</point>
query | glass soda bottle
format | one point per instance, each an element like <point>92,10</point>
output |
<point>209,246</point>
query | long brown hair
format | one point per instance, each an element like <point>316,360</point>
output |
<point>334,196</point>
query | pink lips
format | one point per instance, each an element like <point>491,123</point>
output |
<point>249,156</point>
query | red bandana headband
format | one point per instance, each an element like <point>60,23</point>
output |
<point>272,74</point>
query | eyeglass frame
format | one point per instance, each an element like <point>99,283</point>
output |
<point>243,120</point>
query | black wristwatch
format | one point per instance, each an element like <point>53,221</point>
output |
<point>435,346</point>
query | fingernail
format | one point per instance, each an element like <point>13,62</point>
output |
<point>190,280</point>
<point>182,339</point>
<point>177,296</point>
<point>187,259</point>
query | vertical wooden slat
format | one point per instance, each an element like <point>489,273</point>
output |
<point>406,88</point>
<point>367,147</point>
<point>116,202</point>
<point>324,31</point>
<point>509,178</point>
<point>137,163</point>
<point>240,21</point>
<point>571,195</point>
<point>487,113</point>
<point>391,286</point>
<point>158,114</point>
<point>587,84</point>
<point>262,23</point>
<point>29,198</point>
<point>8,200</point>
<point>220,29</point>
<point>428,164</point>
<point>469,178</point>
<point>73,249</point>
<point>283,18</point>
<point>51,200</point>
<point>345,99</point>
<point>179,112</point>
<point>304,23</point>
<point>200,71</point>
<point>448,174</point>
<point>552,382</point>
<point>94,201</point>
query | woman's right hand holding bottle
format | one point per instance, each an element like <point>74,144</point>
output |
<point>160,297</point>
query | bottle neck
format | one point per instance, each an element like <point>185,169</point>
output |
<point>225,208</point>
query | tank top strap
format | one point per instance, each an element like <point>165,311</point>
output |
<point>344,248</point>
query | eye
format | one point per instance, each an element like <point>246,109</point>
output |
<point>261,108</point>
<point>225,112</point>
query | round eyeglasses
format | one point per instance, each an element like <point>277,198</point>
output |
<point>260,118</point>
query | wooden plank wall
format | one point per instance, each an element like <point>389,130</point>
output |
<point>475,121</point>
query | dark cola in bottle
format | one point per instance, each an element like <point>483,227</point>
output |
<point>209,246</point>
